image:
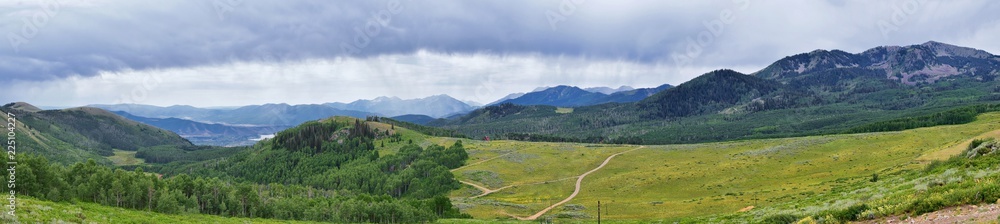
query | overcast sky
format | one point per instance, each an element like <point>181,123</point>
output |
<point>241,52</point>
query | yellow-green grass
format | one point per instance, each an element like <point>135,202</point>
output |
<point>956,148</point>
<point>31,210</point>
<point>538,174</point>
<point>666,182</point>
<point>564,110</point>
<point>125,158</point>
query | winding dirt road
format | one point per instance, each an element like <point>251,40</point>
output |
<point>482,161</point>
<point>575,191</point>
<point>485,190</point>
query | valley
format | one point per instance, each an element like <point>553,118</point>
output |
<point>791,142</point>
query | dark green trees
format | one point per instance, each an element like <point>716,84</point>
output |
<point>321,171</point>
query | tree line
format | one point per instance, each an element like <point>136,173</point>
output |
<point>956,116</point>
<point>528,137</point>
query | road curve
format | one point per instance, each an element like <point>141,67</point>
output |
<point>576,190</point>
<point>482,161</point>
<point>485,190</point>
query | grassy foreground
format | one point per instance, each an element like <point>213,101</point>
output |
<point>678,182</point>
<point>30,210</point>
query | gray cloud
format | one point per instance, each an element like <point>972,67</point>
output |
<point>89,38</point>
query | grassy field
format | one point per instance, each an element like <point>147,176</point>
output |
<point>125,158</point>
<point>564,110</point>
<point>31,210</point>
<point>664,183</point>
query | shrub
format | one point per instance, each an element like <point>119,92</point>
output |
<point>780,219</point>
<point>925,205</point>
<point>850,213</point>
<point>975,143</point>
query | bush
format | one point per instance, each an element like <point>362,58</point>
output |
<point>925,205</point>
<point>975,143</point>
<point>780,219</point>
<point>850,213</point>
<point>991,192</point>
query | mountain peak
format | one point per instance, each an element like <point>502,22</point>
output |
<point>948,50</point>
<point>441,97</point>
<point>386,98</point>
<point>539,89</point>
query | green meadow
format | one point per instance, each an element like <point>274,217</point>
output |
<point>671,182</point>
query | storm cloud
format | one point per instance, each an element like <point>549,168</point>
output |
<point>55,49</point>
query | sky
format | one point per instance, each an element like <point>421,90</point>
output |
<point>243,52</point>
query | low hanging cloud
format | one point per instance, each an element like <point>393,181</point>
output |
<point>52,44</point>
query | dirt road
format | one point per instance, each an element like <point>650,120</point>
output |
<point>577,189</point>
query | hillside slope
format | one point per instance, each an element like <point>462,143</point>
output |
<point>77,134</point>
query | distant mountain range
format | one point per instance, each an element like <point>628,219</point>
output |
<point>823,91</point>
<point>816,92</point>
<point>434,106</point>
<point>571,96</point>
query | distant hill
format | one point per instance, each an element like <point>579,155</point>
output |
<point>433,106</point>
<point>76,134</point>
<point>207,134</point>
<point>633,95</point>
<point>561,96</point>
<point>23,107</point>
<point>571,96</point>
<point>709,93</point>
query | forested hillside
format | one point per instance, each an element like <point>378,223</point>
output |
<point>325,170</point>
<point>339,154</point>
<point>77,134</point>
